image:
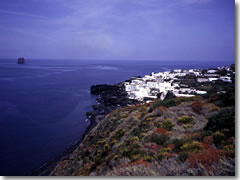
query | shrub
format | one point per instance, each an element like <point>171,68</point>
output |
<point>132,150</point>
<point>205,145</point>
<point>152,146</point>
<point>208,140</point>
<point>166,149</point>
<point>137,131</point>
<point>186,126</point>
<point>214,108</point>
<point>113,142</point>
<point>106,147</point>
<point>229,148</point>
<point>185,120</point>
<point>139,162</point>
<point>219,138</point>
<point>161,155</point>
<point>179,100</point>
<point>134,140</point>
<point>224,119</point>
<point>101,142</point>
<point>159,139</point>
<point>194,136</point>
<point>171,146</point>
<point>136,157</point>
<point>147,158</point>
<point>167,124</point>
<point>160,131</point>
<point>167,103</point>
<point>177,144</point>
<point>197,106</point>
<point>183,157</point>
<point>119,134</point>
<point>206,157</point>
<point>123,115</point>
<point>192,146</point>
<point>143,135</point>
<point>159,111</point>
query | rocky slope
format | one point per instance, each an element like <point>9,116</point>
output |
<point>177,136</point>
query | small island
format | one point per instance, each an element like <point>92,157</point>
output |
<point>21,61</point>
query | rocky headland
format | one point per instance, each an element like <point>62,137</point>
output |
<point>110,97</point>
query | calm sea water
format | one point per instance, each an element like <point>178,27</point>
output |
<point>43,104</point>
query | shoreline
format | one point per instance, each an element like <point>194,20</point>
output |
<point>110,97</point>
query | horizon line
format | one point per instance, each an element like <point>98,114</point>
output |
<point>90,59</point>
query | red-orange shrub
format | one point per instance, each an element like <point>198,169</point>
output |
<point>160,130</point>
<point>205,146</point>
<point>208,140</point>
<point>171,146</point>
<point>194,136</point>
<point>170,155</point>
<point>206,157</point>
<point>152,147</point>
<point>136,163</point>
<point>197,106</point>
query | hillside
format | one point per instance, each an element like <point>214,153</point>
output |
<point>177,136</point>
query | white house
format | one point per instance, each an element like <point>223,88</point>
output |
<point>213,79</point>
<point>201,92</point>
<point>200,80</point>
<point>211,71</point>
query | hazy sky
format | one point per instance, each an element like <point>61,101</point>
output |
<point>118,29</point>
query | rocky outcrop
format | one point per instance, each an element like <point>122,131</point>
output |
<point>110,97</point>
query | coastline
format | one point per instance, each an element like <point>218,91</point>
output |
<point>110,97</point>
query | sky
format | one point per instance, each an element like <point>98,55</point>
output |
<point>118,29</point>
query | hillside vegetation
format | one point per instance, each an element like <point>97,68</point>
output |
<point>174,137</point>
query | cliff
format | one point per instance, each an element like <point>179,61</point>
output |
<point>176,137</point>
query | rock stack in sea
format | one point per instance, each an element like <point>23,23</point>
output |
<point>21,61</point>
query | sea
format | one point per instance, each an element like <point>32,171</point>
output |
<point>43,103</point>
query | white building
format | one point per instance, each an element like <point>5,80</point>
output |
<point>211,71</point>
<point>213,79</point>
<point>200,80</point>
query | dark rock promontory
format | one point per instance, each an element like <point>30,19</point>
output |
<point>110,97</point>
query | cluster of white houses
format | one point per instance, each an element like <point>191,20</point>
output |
<point>157,85</point>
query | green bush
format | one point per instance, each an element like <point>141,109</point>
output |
<point>219,138</point>
<point>186,126</point>
<point>183,157</point>
<point>185,120</point>
<point>161,155</point>
<point>192,146</point>
<point>225,119</point>
<point>167,103</point>
<point>132,150</point>
<point>119,134</point>
<point>166,124</point>
<point>177,144</point>
<point>147,158</point>
<point>160,139</point>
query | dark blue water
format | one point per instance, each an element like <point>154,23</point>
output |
<point>43,104</point>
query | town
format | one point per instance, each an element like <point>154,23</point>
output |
<point>180,83</point>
